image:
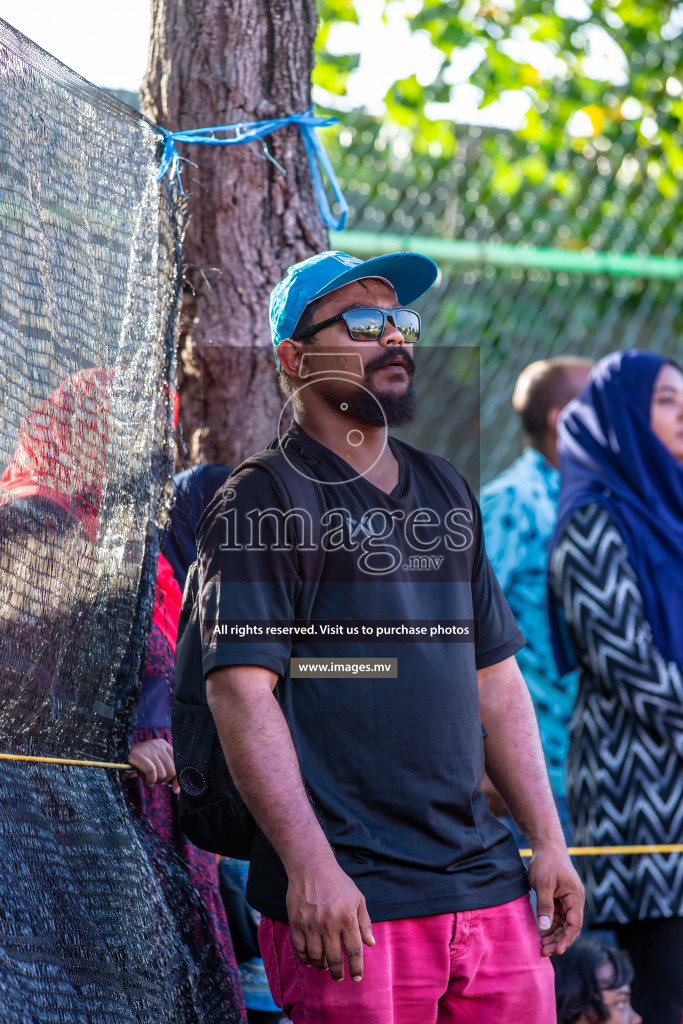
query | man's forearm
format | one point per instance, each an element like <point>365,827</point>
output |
<point>327,913</point>
<point>260,754</point>
<point>515,763</point>
<point>514,756</point>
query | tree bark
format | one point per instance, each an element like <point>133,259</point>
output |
<point>215,62</point>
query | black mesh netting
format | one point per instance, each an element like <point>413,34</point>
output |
<point>94,922</point>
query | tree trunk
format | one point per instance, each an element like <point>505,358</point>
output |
<point>215,62</point>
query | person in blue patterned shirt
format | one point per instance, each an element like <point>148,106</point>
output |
<point>519,509</point>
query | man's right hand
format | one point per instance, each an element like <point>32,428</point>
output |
<point>327,917</point>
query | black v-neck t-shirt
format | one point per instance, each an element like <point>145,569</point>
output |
<point>392,766</point>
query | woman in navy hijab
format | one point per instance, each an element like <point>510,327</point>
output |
<point>616,599</point>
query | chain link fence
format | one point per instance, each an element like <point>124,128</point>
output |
<point>497,308</point>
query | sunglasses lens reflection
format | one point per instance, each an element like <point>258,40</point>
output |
<point>408,323</point>
<point>365,324</point>
<point>368,324</point>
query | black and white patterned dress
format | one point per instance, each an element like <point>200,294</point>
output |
<point>625,764</point>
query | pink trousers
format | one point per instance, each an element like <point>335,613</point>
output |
<point>473,967</point>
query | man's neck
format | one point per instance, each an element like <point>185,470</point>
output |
<point>363,447</point>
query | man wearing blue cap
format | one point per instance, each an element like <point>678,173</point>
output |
<point>363,778</point>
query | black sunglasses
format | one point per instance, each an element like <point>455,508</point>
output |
<point>367,323</point>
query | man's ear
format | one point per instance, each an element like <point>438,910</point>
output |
<point>289,354</point>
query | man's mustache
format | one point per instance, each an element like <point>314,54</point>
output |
<point>403,359</point>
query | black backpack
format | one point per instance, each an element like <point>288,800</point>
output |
<point>212,813</point>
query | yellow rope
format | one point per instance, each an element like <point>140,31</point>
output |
<point>61,760</point>
<point>592,851</point>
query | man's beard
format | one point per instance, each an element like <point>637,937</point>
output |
<point>366,404</point>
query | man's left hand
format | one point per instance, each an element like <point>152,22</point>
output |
<point>559,896</point>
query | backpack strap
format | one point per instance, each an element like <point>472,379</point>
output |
<point>296,490</point>
<point>451,475</point>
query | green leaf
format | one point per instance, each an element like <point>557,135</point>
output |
<point>557,94</point>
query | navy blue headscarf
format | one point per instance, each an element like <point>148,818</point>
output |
<point>609,454</point>
<point>193,490</point>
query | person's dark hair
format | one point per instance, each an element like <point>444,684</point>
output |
<point>542,386</point>
<point>306,320</point>
<point>578,992</point>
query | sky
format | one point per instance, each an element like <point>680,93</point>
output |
<point>105,41</point>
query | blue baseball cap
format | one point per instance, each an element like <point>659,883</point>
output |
<point>410,274</point>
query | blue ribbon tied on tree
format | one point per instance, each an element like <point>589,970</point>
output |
<point>253,131</point>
